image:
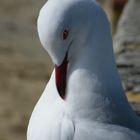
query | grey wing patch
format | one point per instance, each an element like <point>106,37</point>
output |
<point>67,129</point>
<point>99,131</point>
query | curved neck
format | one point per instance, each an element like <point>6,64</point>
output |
<point>93,84</point>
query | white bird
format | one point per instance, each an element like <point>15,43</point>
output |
<point>84,99</point>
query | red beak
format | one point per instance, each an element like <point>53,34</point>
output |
<point>60,77</point>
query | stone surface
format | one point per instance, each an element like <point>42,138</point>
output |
<point>128,32</point>
<point>127,46</point>
<point>128,62</point>
<point>136,108</point>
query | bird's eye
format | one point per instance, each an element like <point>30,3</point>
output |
<point>65,34</point>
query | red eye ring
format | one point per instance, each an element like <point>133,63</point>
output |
<point>65,34</point>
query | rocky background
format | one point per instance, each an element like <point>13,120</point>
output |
<point>25,67</point>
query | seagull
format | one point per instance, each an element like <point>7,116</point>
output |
<point>84,98</point>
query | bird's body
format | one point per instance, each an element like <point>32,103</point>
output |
<point>51,120</point>
<point>85,100</point>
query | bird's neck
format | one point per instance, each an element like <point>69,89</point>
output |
<point>93,84</point>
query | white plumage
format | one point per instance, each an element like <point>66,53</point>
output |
<point>92,104</point>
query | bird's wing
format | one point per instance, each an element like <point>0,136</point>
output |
<point>96,131</point>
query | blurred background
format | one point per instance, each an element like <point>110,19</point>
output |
<point>25,67</point>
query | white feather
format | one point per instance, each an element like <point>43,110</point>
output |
<point>95,107</point>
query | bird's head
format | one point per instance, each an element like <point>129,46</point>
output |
<point>63,26</point>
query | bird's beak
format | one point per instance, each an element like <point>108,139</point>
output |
<point>60,77</point>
